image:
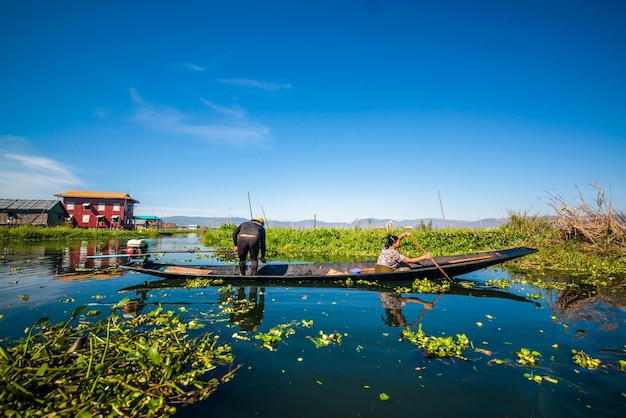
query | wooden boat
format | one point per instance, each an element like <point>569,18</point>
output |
<point>452,265</point>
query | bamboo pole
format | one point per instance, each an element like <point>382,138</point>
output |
<point>432,259</point>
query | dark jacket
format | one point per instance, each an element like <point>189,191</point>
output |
<point>253,228</point>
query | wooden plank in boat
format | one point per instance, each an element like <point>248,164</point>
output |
<point>464,260</point>
<point>187,270</point>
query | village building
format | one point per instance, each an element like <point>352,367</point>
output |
<point>46,213</point>
<point>148,222</point>
<point>107,210</point>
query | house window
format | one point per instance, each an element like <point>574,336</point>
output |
<point>86,206</point>
<point>70,206</point>
<point>115,218</point>
<point>101,206</point>
<point>116,207</point>
<point>100,218</point>
<point>85,219</point>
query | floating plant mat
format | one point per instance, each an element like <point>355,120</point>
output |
<point>128,367</point>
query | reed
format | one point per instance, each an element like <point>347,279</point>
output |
<point>600,226</point>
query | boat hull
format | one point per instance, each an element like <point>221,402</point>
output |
<point>452,265</point>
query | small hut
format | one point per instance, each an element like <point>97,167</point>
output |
<point>32,212</point>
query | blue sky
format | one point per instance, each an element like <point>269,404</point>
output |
<point>339,110</point>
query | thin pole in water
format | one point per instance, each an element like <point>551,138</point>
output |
<point>250,205</point>
<point>264,217</point>
<point>441,206</point>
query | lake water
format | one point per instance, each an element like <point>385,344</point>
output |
<point>372,372</point>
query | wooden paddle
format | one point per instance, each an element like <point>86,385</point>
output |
<point>432,259</point>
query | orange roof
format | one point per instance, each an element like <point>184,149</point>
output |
<point>95,195</point>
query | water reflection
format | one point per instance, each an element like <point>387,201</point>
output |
<point>248,302</point>
<point>77,258</point>
<point>590,303</point>
<point>62,258</point>
<point>600,305</point>
<point>134,307</point>
<point>393,303</point>
<point>248,309</point>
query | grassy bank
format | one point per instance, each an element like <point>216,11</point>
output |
<point>365,244</point>
<point>559,253</point>
<point>32,233</point>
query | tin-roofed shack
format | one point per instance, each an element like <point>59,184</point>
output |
<point>15,212</point>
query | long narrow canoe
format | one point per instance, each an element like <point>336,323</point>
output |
<point>453,266</point>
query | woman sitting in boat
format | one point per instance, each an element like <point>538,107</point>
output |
<point>390,259</point>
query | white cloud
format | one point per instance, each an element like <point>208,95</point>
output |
<point>195,67</point>
<point>235,112</point>
<point>25,176</point>
<point>231,127</point>
<point>255,84</point>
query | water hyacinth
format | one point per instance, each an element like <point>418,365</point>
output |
<point>142,366</point>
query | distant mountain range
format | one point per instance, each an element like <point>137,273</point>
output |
<point>216,222</point>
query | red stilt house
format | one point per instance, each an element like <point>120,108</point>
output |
<point>107,210</point>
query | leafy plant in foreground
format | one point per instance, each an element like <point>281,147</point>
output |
<point>136,367</point>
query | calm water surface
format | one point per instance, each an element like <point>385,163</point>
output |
<point>347,379</point>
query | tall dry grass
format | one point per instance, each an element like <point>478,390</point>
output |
<point>599,225</point>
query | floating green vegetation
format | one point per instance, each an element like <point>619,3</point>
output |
<point>325,340</point>
<point>584,360</point>
<point>349,282</point>
<point>428,286</point>
<point>542,284</point>
<point>539,378</point>
<point>500,283</point>
<point>274,336</point>
<point>363,282</point>
<point>334,244</point>
<point>141,366</point>
<point>467,284</point>
<point>437,347</point>
<point>199,282</point>
<point>527,357</point>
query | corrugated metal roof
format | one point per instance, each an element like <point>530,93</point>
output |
<point>95,195</point>
<point>27,204</point>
